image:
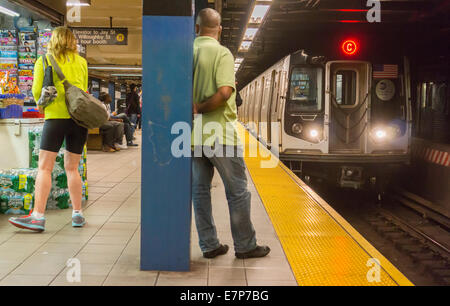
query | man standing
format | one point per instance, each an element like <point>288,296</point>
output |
<point>133,105</point>
<point>214,103</point>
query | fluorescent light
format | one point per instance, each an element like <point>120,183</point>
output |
<point>259,12</point>
<point>239,60</point>
<point>250,33</point>
<point>245,45</point>
<point>78,3</point>
<point>8,12</point>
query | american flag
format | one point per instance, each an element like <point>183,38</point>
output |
<point>385,71</point>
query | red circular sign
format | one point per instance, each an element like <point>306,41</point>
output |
<point>349,47</point>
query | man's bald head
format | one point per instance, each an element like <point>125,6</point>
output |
<point>208,23</point>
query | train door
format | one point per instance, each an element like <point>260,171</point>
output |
<point>247,104</point>
<point>252,119</point>
<point>258,106</point>
<point>273,100</point>
<point>348,100</point>
<point>264,113</point>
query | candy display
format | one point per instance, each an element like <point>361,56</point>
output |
<point>17,185</point>
<point>11,106</point>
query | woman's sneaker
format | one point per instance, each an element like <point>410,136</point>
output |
<point>29,222</point>
<point>78,220</point>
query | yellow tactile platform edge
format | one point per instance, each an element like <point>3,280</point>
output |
<point>321,247</point>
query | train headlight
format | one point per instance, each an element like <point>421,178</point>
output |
<point>297,128</point>
<point>314,133</point>
<point>384,133</point>
<point>380,134</point>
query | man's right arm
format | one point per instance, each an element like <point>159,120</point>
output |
<point>219,99</point>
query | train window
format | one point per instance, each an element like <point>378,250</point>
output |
<point>345,84</point>
<point>305,84</point>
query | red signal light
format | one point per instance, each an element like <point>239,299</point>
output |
<point>349,47</point>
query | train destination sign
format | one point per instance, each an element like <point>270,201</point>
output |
<point>101,36</point>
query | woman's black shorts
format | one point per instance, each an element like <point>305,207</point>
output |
<point>56,130</point>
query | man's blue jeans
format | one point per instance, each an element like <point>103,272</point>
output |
<point>232,172</point>
<point>134,119</point>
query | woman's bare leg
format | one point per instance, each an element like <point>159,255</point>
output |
<point>44,180</point>
<point>71,163</point>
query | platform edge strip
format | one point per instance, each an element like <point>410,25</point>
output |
<point>395,274</point>
<point>386,265</point>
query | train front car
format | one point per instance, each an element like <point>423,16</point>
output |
<point>346,121</point>
<point>341,119</point>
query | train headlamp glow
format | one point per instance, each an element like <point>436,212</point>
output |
<point>384,133</point>
<point>297,128</point>
<point>314,133</point>
<point>380,134</point>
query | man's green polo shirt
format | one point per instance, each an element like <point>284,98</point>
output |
<point>214,68</point>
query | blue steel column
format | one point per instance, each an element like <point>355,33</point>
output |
<point>167,99</point>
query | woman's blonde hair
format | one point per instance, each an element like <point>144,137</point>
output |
<point>63,43</point>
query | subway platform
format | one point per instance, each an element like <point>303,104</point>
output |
<point>311,243</point>
<point>108,247</point>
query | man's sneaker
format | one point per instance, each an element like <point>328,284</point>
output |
<point>259,251</point>
<point>29,222</point>
<point>222,250</point>
<point>78,220</point>
<point>130,144</point>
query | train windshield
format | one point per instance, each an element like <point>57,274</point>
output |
<point>305,89</point>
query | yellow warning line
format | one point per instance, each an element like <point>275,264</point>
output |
<point>321,247</point>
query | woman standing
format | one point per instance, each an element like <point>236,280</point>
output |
<point>59,127</point>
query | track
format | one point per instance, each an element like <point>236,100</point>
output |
<point>417,230</point>
<point>413,236</point>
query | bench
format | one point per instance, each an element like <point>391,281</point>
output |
<point>95,139</point>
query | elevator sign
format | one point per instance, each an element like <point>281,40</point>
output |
<point>101,36</point>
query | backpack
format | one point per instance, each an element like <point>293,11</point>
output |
<point>84,109</point>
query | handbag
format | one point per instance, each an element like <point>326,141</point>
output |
<point>49,92</point>
<point>84,109</point>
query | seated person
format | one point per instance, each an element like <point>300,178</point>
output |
<point>128,126</point>
<point>112,132</point>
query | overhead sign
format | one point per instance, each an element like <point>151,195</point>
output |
<point>101,36</point>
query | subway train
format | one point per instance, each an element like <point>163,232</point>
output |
<point>339,120</point>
